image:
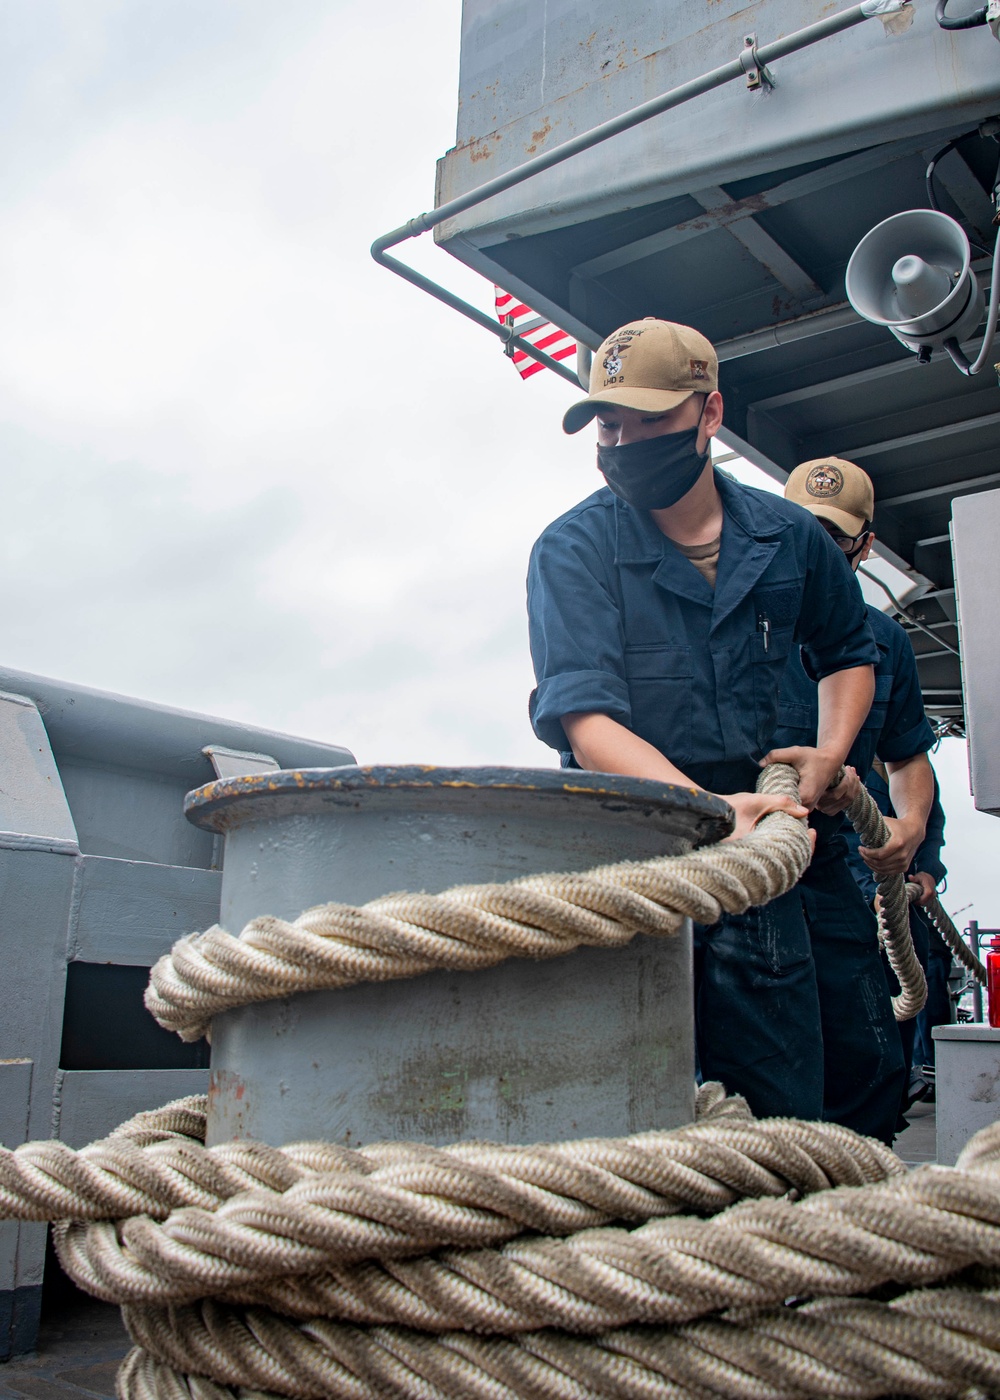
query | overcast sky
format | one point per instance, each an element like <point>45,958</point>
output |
<point>246,471</point>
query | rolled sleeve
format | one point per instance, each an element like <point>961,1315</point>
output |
<point>898,746</point>
<point>575,693</point>
<point>833,626</point>
<point>576,634</point>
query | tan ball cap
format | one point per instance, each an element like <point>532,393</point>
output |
<point>835,489</point>
<point>650,365</point>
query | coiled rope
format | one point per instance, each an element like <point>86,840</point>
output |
<point>363,1247</point>
<point>926,1343</point>
<point>290,1292</point>
<point>912,1230</point>
<point>428,1199</point>
<point>555,1189</point>
<point>501,1272</point>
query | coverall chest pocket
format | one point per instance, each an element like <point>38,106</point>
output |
<point>660,683</point>
<point>775,613</point>
<point>796,723</point>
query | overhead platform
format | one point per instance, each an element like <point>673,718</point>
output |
<point>737,213</point>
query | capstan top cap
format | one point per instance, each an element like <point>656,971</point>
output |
<point>835,489</point>
<point>650,365</point>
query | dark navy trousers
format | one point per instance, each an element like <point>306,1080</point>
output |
<point>757,1014</point>
<point>938,1011</point>
<point>865,1068</point>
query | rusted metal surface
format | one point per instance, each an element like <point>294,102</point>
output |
<point>534,77</point>
<point>596,1042</point>
<point>228,803</point>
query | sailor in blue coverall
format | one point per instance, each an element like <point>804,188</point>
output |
<point>865,1069</point>
<point>662,614</point>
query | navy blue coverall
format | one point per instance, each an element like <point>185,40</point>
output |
<point>622,624</point>
<point>864,1069</point>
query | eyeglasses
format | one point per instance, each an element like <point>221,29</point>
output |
<point>848,544</point>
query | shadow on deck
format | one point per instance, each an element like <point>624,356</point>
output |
<point>80,1345</point>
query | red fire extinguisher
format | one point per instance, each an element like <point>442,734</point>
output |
<point>993,982</point>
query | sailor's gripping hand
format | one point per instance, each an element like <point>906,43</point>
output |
<point>896,856</point>
<point>816,768</point>
<point>927,885</point>
<point>839,797</point>
<point>750,807</point>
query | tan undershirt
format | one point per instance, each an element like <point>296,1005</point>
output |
<point>705,557</point>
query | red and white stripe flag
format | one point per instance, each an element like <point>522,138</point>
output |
<point>538,332</point>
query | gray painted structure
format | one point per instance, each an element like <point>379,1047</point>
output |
<point>967,1061</point>
<point>737,213</point>
<point>975,535</point>
<point>599,1042</point>
<point>99,874</point>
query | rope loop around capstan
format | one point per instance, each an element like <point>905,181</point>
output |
<point>689,1303</point>
<point>477,926</point>
<point>471,927</point>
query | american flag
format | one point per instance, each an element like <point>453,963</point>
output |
<point>534,329</point>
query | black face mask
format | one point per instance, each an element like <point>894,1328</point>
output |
<point>655,472</point>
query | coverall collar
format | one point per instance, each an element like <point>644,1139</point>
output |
<point>750,539</point>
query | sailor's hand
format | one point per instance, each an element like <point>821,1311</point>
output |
<point>839,798</point>
<point>895,857</point>
<point>817,769</point>
<point>750,807</point>
<point>928,886</point>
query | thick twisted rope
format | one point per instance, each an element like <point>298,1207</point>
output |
<point>477,926</point>
<point>893,909</point>
<point>926,1343</point>
<point>923,1343</point>
<point>941,920</point>
<point>913,1229</point>
<point>142,1169</point>
<point>941,1344</point>
<point>158,1161</point>
<point>556,1188</point>
<point>398,1200</point>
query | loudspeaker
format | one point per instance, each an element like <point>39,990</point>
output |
<point>911,274</point>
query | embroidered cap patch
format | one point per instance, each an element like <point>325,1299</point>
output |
<point>825,481</point>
